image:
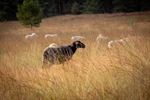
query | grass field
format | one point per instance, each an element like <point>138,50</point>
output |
<point>94,73</point>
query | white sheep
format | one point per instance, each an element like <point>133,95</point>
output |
<point>110,44</point>
<point>115,42</point>
<point>50,35</point>
<point>29,36</point>
<point>76,38</point>
<point>101,37</point>
<point>121,41</point>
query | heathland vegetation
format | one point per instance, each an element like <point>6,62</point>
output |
<point>97,72</point>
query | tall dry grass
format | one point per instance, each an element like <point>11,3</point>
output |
<point>94,73</point>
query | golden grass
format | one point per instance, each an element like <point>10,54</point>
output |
<point>94,73</point>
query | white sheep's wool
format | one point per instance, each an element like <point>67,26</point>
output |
<point>50,35</point>
<point>75,38</point>
<point>30,36</point>
<point>101,37</point>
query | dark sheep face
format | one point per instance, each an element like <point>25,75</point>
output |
<point>78,44</point>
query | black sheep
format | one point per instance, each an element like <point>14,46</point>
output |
<point>60,54</point>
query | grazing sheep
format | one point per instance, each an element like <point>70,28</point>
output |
<point>101,37</point>
<point>110,43</point>
<point>29,36</point>
<point>121,41</point>
<point>76,38</point>
<point>50,35</point>
<point>60,54</point>
<point>115,42</point>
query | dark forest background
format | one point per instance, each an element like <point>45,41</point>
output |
<point>8,8</point>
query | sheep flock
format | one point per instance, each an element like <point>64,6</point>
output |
<point>55,54</point>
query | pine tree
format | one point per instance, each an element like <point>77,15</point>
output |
<point>30,13</point>
<point>120,5</point>
<point>91,6</point>
<point>75,8</point>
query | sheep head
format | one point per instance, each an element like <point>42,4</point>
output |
<point>78,44</point>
